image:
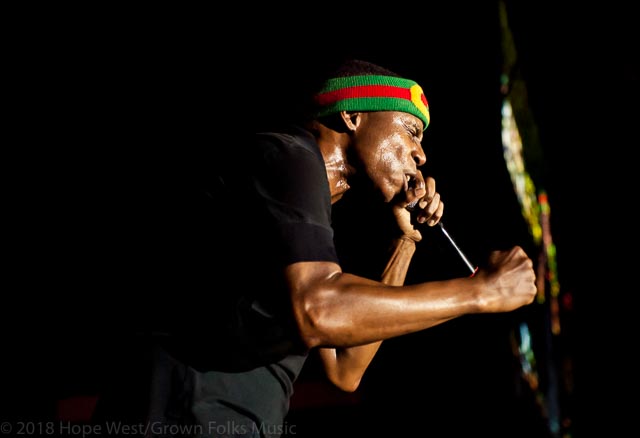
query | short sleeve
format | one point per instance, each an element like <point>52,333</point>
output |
<point>290,182</point>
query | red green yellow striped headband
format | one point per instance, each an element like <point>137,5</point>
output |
<point>372,93</point>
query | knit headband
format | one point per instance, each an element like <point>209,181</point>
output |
<point>372,93</point>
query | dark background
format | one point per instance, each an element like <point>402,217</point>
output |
<point>113,105</point>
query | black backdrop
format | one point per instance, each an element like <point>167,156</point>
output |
<point>112,107</point>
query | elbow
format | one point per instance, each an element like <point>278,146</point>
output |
<point>313,319</point>
<point>309,321</point>
<point>346,384</point>
<point>346,379</point>
<point>341,369</point>
<point>315,299</point>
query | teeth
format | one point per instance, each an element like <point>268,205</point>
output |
<point>410,180</point>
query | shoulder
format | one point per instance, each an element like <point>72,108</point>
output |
<point>290,138</point>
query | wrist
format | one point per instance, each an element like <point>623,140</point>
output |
<point>410,237</point>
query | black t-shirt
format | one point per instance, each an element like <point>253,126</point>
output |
<point>267,205</point>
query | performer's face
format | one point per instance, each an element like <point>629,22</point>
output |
<point>388,146</point>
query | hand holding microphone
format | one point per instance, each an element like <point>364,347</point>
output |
<point>429,209</point>
<point>421,204</point>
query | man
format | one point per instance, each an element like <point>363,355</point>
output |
<point>227,365</point>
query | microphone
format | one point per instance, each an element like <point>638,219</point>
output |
<point>458,250</point>
<point>412,207</point>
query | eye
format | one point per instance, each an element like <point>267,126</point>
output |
<point>414,132</point>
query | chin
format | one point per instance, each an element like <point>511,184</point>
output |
<point>387,192</point>
<point>388,196</point>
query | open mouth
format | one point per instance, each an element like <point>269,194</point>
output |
<point>410,183</point>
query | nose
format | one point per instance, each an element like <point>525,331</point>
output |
<point>418,155</point>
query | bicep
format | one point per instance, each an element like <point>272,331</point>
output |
<point>309,277</point>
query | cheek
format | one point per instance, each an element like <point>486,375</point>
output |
<point>389,162</point>
<point>392,154</point>
<point>384,162</point>
<point>389,169</point>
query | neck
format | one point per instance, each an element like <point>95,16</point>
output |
<point>333,147</point>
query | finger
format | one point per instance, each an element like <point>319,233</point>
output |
<point>435,218</point>
<point>430,188</point>
<point>431,210</point>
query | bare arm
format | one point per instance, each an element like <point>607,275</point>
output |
<point>345,366</point>
<point>348,316</point>
<point>336,309</point>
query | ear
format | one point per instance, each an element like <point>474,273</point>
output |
<point>351,119</point>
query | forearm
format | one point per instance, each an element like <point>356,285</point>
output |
<point>397,267</point>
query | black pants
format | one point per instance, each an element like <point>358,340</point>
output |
<point>183,402</point>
